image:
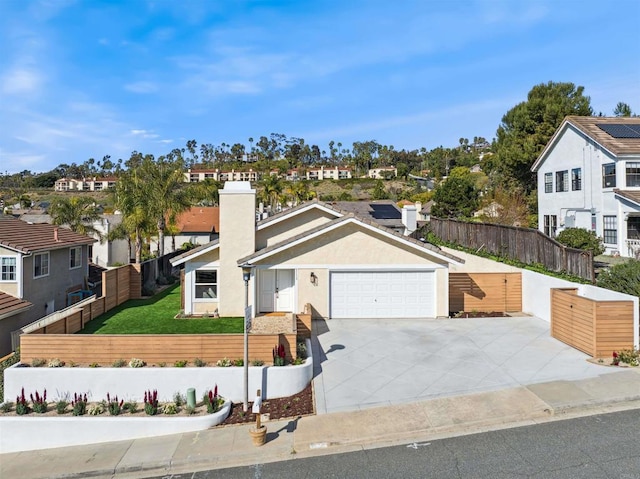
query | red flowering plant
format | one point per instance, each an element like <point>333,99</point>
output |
<point>79,404</point>
<point>22,406</point>
<point>615,360</point>
<point>279,355</point>
<point>212,400</point>
<point>39,403</point>
<point>114,406</point>
<point>151,402</point>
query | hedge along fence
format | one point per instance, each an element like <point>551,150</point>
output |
<point>594,327</point>
<point>485,292</point>
<point>105,349</point>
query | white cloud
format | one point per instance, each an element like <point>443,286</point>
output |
<point>141,87</point>
<point>146,134</point>
<point>21,80</point>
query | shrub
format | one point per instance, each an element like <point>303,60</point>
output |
<point>629,356</point>
<point>581,238</point>
<point>170,408</point>
<point>238,362</point>
<point>79,404</point>
<point>39,403</point>
<point>8,362</point>
<point>118,363</point>
<point>257,362</point>
<point>190,410</point>
<point>298,361</point>
<point>136,363</point>
<point>199,363</point>
<point>55,363</point>
<point>162,364</point>
<point>22,406</point>
<point>114,406</point>
<point>624,278</point>
<point>301,350</point>
<point>224,363</point>
<point>212,400</point>
<point>38,362</point>
<point>151,402</point>
<point>94,365</point>
<point>181,363</point>
<point>130,406</point>
<point>6,406</point>
<point>61,406</point>
<point>96,409</point>
<point>279,355</point>
<point>179,399</point>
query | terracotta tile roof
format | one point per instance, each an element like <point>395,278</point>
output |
<point>26,238</point>
<point>200,219</point>
<point>617,146</point>
<point>10,304</point>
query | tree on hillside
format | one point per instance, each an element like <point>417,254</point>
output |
<point>271,190</point>
<point>527,127</point>
<point>456,197</point>
<point>78,213</point>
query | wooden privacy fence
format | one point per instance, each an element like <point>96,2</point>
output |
<point>104,349</point>
<point>500,292</point>
<point>522,244</point>
<point>594,327</point>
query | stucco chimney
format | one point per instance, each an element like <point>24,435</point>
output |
<point>409,219</point>
<point>237,240</point>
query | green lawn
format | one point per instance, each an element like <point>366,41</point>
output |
<point>157,316</point>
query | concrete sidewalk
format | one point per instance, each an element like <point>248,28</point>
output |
<point>332,433</point>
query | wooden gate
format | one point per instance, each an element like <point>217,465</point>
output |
<point>499,292</point>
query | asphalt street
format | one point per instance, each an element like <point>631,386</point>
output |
<point>592,447</point>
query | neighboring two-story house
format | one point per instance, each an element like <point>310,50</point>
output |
<point>40,264</point>
<point>589,177</point>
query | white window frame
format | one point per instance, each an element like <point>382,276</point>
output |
<point>610,228</point>
<point>548,182</point>
<point>9,273</point>
<point>75,251</point>
<point>562,181</point>
<point>44,265</point>
<point>215,284</point>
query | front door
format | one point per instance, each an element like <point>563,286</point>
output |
<point>276,290</point>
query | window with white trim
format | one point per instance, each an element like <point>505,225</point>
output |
<point>548,182</point>
<point>609,175</point>
<point>633,173</point>
<point>610,230</point>
<point>40,265</point>
<point>8,268</point>
<point>206,284</point>
<point>576,179</point>
<point>550,225</point>
<point>562,180</point>
<point>75,257</point>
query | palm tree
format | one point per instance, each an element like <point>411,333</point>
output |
<point>271,190</point>
<point>78,213</point>
<point>299,191</point>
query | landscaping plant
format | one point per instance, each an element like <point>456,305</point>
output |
<point>130,406</point>
<point>55,363</point>
<point>136,363</point>
<point>181,363</point>
<point>114,406</point>
<point>224,363</point>
<point>279,355</point>
<point>38,362</point>
<point>151,402</point>
<point>199,363</point>
<point>212,400</point>
<point>22,406</point>
<point>61,406</point>
<point>118,363</point>
<point>79,404</point>
<point>39,403</point>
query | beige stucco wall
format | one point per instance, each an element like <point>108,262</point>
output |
<point>237,240</point>
<point>279,231</point>
<point>317,295</point>
<point>478,264</point>
<point>351,244</point>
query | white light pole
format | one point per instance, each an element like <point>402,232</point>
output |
<point>246,275</point>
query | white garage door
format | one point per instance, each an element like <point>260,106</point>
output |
<point>383,294</point>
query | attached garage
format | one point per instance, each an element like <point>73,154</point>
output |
<point>383,294</point>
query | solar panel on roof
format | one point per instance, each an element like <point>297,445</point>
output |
<point>619,130</point>
<point>385,212</point>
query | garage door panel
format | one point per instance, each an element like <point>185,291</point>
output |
<point>382,294</point>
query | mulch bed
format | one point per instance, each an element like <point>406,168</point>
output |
<point>300,404</point>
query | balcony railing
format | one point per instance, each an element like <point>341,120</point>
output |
<point>633,248</point>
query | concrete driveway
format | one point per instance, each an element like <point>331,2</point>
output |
<point>365,363</point>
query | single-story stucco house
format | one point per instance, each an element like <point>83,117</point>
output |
<point>342,265</point>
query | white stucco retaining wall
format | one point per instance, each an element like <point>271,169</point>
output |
<point>130,384</point>
<point>34,432</point>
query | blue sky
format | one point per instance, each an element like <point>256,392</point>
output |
<point>82,79</point>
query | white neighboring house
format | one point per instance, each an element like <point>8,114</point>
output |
<point>589,177</point>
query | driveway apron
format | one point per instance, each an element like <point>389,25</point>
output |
<point>362,363</point>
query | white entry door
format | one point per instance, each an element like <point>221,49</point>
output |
<point>276,290</point>
<point>383,294</point>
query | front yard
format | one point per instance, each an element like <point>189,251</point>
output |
<point>156,315</point>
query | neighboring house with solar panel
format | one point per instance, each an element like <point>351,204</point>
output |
<point>589,177</point>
